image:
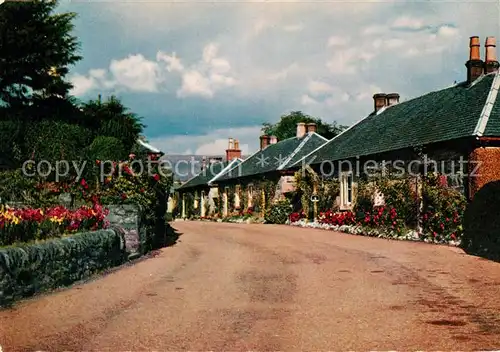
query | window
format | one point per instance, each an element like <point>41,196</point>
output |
<point>346,189</point>
<point>349,189</point>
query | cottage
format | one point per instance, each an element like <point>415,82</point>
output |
<point>237,184</point>
<point>204,194</point>
<point>270,164</point>
<point>454,131</point>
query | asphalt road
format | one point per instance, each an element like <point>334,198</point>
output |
<point>267,288</point>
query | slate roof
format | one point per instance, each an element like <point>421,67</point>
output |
<point>205,176</point>
<point>452,113</point>
<point>274,157</point>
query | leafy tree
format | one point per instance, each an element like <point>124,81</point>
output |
<point>37,47</point>
<point>287,126</point>
<point>112,119</point>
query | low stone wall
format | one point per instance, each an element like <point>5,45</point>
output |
<point>28,269</point>
<point>126,219</point>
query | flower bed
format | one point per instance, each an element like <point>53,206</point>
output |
<point>384,222</point>
<point>28,224</point>
<point>357,229</point>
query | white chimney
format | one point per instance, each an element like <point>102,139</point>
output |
<point>301,129</point>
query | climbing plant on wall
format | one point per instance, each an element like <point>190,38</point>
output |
<point>304,181</point>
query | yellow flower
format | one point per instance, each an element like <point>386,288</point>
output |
<point>56,219</point>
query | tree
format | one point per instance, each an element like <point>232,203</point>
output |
<point>287,126</point>
<point>112,119</point>
<point>37,47</point>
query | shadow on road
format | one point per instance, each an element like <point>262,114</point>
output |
<point>482,223</point>
<point>172,236</point>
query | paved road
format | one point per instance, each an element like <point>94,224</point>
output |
<point>263,287</point>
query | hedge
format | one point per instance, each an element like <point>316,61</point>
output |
<point>28,269</point>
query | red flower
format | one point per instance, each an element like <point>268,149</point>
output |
<point>124,196</point>
<point>156,177</point>
<point>84,183</point>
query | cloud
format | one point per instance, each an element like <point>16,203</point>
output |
<point>406,22</point>
<point>213,142</point>
<point>306,99</point>
<point>293,27</point>
<point>336,40</point>
<point>235,59</point>
<point>285,72</point>
<point>194,83</point>
<point>211,74</point>
<point>173,62</point>
<point>137,73</point>
<point>316,87</point>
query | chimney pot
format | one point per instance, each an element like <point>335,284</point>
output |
<point>379,101</point>
<point>490,61</point>
<point>233,151</point>
<point>392,99</point>
<point>475,65</point>
<point>311,127</point>
<point>301,129</point>
<point>273,140</point>
<point>264,141</point>
<point>474,46</point>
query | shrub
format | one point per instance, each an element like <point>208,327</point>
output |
<point>278,213</point>
<point>31,268</point>
<point>443,211</point>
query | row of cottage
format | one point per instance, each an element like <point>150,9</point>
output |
<point>456,129</point>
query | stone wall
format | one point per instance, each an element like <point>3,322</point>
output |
<point>127,219</point>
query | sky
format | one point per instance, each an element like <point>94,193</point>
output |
<point>199,72</point>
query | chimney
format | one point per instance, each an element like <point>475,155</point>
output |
<point>273,140</point>
<point>392,99</point>
<point>379,100</point>
<point>264,141</point>
<point>301,129</point>
<point>490,61</point>
<point>233,151</point>
<point>474,65</point>
<point>311,127</point>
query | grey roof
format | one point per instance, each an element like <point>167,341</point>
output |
<point>452,113</point>
<point>274,157</point>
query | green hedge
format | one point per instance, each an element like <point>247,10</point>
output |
<point>31,268</point>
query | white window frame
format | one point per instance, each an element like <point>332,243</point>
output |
<point>345,188</point>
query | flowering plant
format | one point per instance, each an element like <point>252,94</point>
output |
<point>294,217</point>
<point>28,224</point>
<point>337,218</point>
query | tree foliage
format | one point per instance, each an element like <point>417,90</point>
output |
<point>286,127</point>
<point>37,47</point>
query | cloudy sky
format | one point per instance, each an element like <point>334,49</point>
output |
<point>200,72</point>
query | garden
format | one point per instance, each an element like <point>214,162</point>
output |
<point>422,210</point>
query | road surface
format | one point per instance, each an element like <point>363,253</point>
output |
<point>245,287</point>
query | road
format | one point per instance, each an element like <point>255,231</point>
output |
<point>245,287</point>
